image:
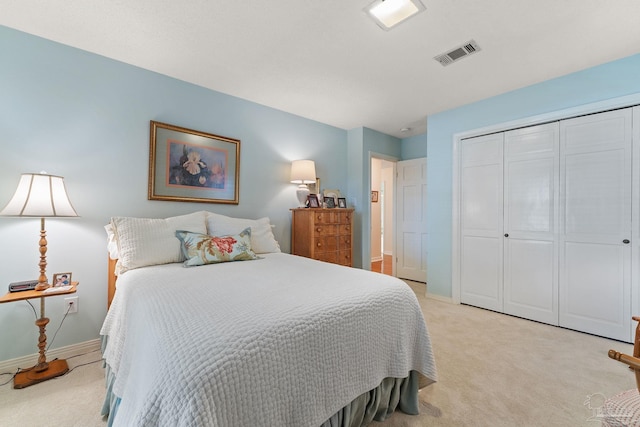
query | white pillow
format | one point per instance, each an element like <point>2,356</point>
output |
<point>112,242</point>
<point>151,241</point>
<point>262,238</point>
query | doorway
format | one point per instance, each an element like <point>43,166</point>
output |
<point>382,199</point>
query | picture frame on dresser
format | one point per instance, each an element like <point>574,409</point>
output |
<point>342,202</point>
<point>312,201</point>
<point>331,194</point>
<point>331,202</point>
<point>187,165</point>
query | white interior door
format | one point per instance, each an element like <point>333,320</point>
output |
<point>531,178</point>
<point>411,214</point>
<point>595,222</point>
<point>481,221</point>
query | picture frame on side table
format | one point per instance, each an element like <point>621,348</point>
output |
<point>187,165</point>
<point>374,196</point>
<point>342,202</point>
<point>61,279</point>
<point>312,201</point>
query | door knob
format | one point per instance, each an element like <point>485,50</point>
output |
<point>506,235</point>
<point>625,241</point>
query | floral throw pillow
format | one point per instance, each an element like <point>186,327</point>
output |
<point>200,249</point>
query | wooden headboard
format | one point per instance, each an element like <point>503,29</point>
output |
<point>111,281</point>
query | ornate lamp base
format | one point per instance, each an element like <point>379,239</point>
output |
<point>30,376</point>
<point>302,192</point>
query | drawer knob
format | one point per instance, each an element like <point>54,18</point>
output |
<point>318,229</point>
<point>318,244</point>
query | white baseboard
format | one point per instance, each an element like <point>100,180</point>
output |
<point>24,362</point>
<point>376,259</point>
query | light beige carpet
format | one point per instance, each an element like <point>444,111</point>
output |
<point>494,370</point>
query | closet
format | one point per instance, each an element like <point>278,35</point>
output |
<point>546,222</point>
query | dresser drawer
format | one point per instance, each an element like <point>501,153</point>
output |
<point>331,257</point>
<point>344,217</point>
<point>344,258</point>
<point>326,244</point>
<point>320,230</point>
<point>344,229</point>
<point>344,242</point>
<point>326,217</point>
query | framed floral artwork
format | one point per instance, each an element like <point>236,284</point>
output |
<point>187,165</point>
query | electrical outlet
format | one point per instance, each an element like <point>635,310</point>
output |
<point>71,304</point>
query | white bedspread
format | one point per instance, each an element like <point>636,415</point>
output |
<point>280,341</point>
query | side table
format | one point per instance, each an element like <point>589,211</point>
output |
<point>43,370</point>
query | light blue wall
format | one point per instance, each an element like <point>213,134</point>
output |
<point>86,117</point>
<point>599,83</point>
<point>414,147</point>
<point>365,143</point>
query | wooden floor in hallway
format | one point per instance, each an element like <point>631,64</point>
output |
<point>383,266</point>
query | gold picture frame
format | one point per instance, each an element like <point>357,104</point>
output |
<point>187,165</point>
<point>314,188</point>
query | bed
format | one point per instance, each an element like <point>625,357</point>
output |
<point>270,339</point>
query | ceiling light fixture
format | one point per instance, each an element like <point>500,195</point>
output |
<point>389,13</point>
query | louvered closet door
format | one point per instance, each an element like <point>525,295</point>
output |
<point>481,222</point>
<point>531,178</point>
<point>595,220</point>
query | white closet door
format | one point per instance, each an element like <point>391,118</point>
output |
<point>481,222</point>
<point>531,178</point>
<point>595,222</point>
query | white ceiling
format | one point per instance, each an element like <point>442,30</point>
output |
<point>327,61</point>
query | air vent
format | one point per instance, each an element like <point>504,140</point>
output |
<point>458,53</point>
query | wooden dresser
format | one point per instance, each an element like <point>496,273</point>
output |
<point>323,234</point>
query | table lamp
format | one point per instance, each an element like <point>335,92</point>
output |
<point>303,172</point>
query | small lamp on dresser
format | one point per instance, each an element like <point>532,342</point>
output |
<point>303,172</point>
<point>41,196</point>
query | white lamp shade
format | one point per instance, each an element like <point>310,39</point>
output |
<point>40,195</point>
<point>303,172</point>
